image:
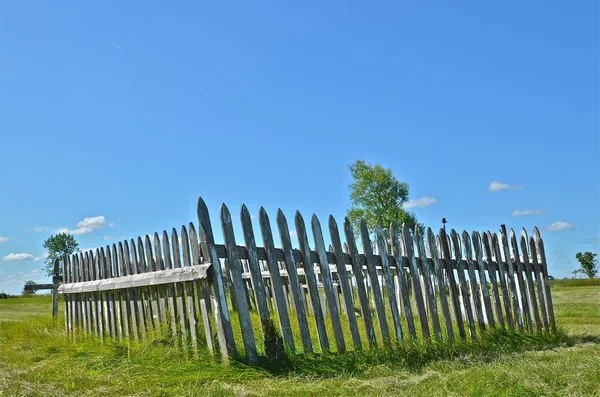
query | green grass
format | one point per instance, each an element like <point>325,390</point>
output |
<point>36,359</point>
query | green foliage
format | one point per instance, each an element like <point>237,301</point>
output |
<point>588,263</point>
<point>378,197</point>
<point>27,293</point>
<point>58,246</point>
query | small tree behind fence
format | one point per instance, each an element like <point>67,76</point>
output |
<point>246,301</point>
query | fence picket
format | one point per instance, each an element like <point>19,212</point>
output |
<point>164,258</point>
<point>540,283</point>
<point>521,287</point>
<point>407,246</point>
<point>223,323</point>
<point>512,282</point>
<point>344,283</point>
<point>473,280</point>
<point>189,290</point>
<point>331,295</point>
<point>311,280</point>
<point>487,305</point>
<point>504,281</point>
<point>120,301</point>
<point>290,262</point>
<point>374,279</point>
<point>66,272</point>
<point>363,297</point>
<point>434,253</point>
<point>389,283</point>
<point>137,313</point>
<point>529,274</point>
<point>280,299</point>
<point>430,293</point>
<point>492,269</point>
<point>235,271</point>
<point>108,273</point>
<point>454,293</point>
<point>539,246</point>
<point>462,282</point>
<point>180,299</point>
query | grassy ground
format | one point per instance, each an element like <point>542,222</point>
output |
<point>36,359</point>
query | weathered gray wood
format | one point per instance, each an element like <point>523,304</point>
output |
<point>121,301</point>
<point>514,291</point>
<point>88,323</point>
<point>533,309</point>
<point>109,295</point>
<point>430,293</point>
<point>179,287</point>
<point>158,293</point>
<point>219,287</point>
<point>170,288</point>
<point>344,283</point>
<point>149,299</point>
<point>203,289</point>
<point>280,300</point>
<point>311,280</point>
<point>189,289</point>
<point>492,268</point>
<point>504,280</point>
<point>357,270</point>
<point>454,293</point>
<point>473,280</point>
<point>433,253</point>
<point>235,271</point>
<point>286,245</point>
<point>67,299</point>
<point>539,245</point>
<point>487,305</point>
<point>416,282</point>
<point>404,292</point>
<point>462,283</point>
<point>79,299</point>
<point>539,278</point>
<point>331,295</point>
<point>382,249</point>
<point>165,291</point>
<point>102,304</point>
<point>135,267</point>
<point>521,286</point>
<point>258,285</point>
<point>135,308</point>
<point>372,272</point>
<point>96,325</point>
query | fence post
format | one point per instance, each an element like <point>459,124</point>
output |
<point>56,281</point>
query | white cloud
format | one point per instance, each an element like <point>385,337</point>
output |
<point>18,257</point>
<point>87,225</point>
<point>496,186</point>
<point>41,257</point>
<point>420,202</point>
<point>527,212</point>
<point>593,240</point>
<point>107,238</point>
<point>559,226</point>
<point>37,229</point>
<point>3,239</point>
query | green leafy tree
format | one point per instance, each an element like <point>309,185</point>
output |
<point>26,292</point>
<point>378,197</point>
<point>58,247</point>
<point>589,264</point>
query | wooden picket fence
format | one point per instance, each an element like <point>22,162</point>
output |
<point>400,286</point>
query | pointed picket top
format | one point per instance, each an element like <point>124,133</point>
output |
<point>529,274</point>
<point>150,261</point>
<point>434,253</point>
<point>462,282</point>
<point>296,288</point>
<point>160,264</point>
<point>431,299</point>
<point>468,248</point>
<point>416,280</point>
<point>539,277</point>
<point>361,289</point>
<point>375,289</point>
<point>389,283</point>
<point>520,282</point>
<point>487,304</point>
<point>331,299</point>
<point>166,250</point>
<point>336,248</point>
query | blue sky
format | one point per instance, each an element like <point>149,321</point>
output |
<point>125,114</point>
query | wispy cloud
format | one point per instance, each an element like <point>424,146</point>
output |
<point>560,226</point>
<point>41,257</point>
<point>593,240</point>
<point>18,257</point>
<point>37,229</point>
<point>420,202</point>
<point>527,212</point>
<point>496,186</point>
<point>87,225</point>
<point>3,239</point>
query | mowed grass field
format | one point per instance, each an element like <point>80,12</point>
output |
<point>36,359</point>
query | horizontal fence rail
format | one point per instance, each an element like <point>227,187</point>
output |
<point>246,301</point>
